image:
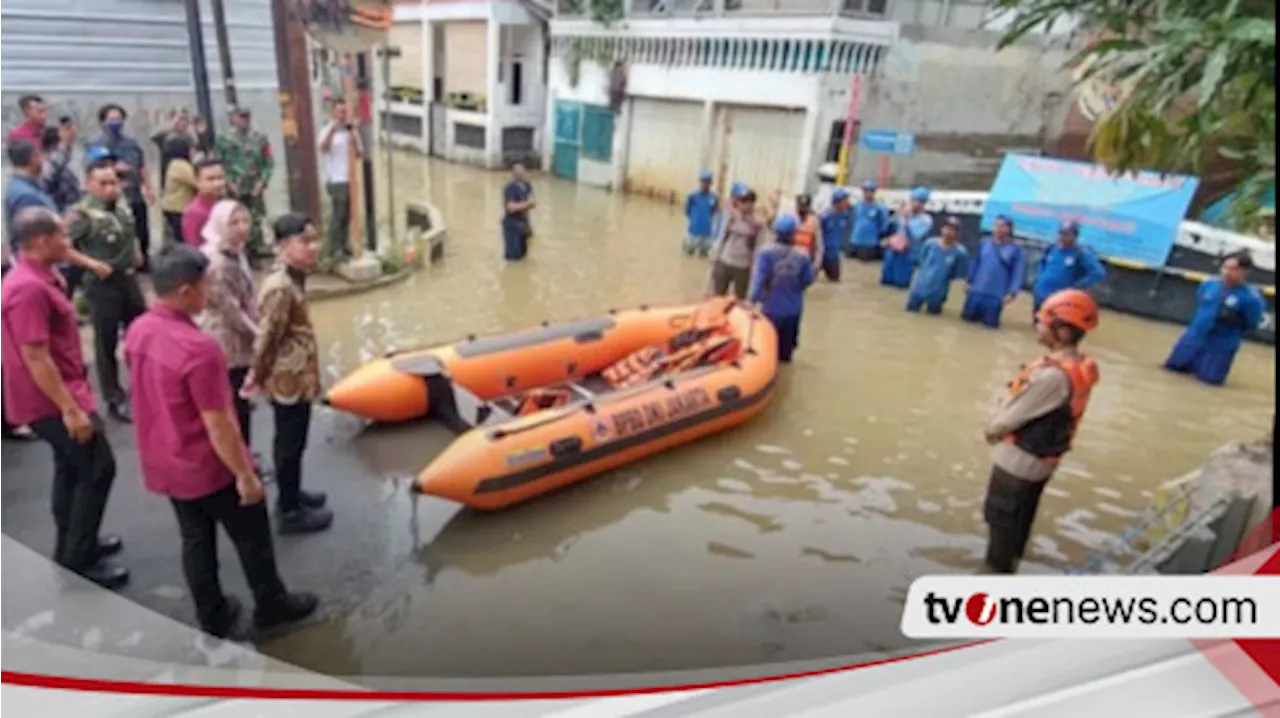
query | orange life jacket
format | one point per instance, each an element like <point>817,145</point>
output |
<point>685,351</point>
<point>636,364</point>
<point>1048,437</point>
<point>536,400</point>
<point>806,237</point>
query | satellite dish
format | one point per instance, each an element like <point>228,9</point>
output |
<point>345,26</point>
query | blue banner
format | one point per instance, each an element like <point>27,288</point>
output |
<point>888,141</point>
<point>1134,216</point>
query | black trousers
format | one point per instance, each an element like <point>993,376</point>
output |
<point>293,424</point>
<point>244,407</point>
<point>174,222</point>
<point>1010,511</point>
<point>724,276</point>
<point>340,219</point>
<point>249,529</point>
<point>113,305</point>
<point>142,225</point>
<point>788,329</point>
<point>866,253</point>
<point>82,478</point>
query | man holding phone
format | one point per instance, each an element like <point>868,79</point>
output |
<point>339,145</point>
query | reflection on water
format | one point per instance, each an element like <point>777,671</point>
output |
<point>793,537</point>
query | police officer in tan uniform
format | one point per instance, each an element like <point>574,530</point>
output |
<point>101,226</point>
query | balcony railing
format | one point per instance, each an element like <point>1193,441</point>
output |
<point>874,9</point>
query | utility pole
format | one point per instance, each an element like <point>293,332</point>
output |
<point>199,69</point>
<point>366,135</point>
<point>224,53</point>
<point>388,52</point>
<point>296,112</point>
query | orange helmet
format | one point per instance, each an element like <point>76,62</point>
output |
<point>1071,307</point>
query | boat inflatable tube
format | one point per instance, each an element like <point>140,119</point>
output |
<point>543,408</point>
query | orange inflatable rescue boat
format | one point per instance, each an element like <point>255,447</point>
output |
<point>546,407</point>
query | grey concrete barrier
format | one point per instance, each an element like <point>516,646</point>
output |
<point>425,224</point>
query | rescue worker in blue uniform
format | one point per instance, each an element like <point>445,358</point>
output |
<point>871,224</point>
<point>1065,265</point>
<point>903,248</point>
<point>1227,308</point>
<point>942,261</point>
<point>782,274</point>
<point>995,275</point>
<point>700,209</point>
<point>837,224</point>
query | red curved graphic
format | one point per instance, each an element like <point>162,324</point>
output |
<point>97,685</point>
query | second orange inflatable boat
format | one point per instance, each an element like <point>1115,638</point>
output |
<point>546,407</point>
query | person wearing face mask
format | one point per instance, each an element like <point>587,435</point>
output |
<point>248,162</point>
<point>101,226</point>
<point>132,171</point>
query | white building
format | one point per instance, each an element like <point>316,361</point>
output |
<point>758,91</point>
<point>469,80</point>
<point>752,90</point>
<point>748,89</point>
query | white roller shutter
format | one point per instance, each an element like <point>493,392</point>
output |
<point>664,149</point>
<point>466,44</point>
<point>759,146</point>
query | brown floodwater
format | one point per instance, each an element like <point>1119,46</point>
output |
<point>795,536</point>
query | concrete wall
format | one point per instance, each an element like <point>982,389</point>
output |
<point>81,54</point>
<point>966,104</point>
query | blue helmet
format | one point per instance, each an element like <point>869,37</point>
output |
<point>704,176</point>
<point>1070,227</point>
<point>839,194</point>
<point>97,152</point>
<point>785,225</point>
<point>737,189</point>
<point>920,194</point>
<point>870,186</point>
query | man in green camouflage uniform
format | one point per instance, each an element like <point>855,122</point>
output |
<point>101,226</point>
<point>248,162</point>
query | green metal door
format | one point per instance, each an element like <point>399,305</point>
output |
<point>568,136</point>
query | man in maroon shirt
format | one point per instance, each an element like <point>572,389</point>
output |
<point>191,450</point>
<point>211,186</point>
<point>46,387</point>
<point>34,116</point>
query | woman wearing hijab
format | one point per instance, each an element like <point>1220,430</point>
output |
<point>179,183</point>
<point>231,314</point>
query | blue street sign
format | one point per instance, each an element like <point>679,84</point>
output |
<point>889,141</point>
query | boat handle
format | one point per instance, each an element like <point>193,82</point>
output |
<point>567,445</point>
<point>587,337</point>
<point>729,393</point>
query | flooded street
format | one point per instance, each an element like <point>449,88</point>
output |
<point>793,537</point>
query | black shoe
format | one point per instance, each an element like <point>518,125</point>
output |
<point>312,499</point>
<point>19,433</point>
<point>109,545</point>
<point>106,575</point>
<point>304,520</point>
<point>290,608</point>
<point>120,412</point>
<point>226,625</point>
